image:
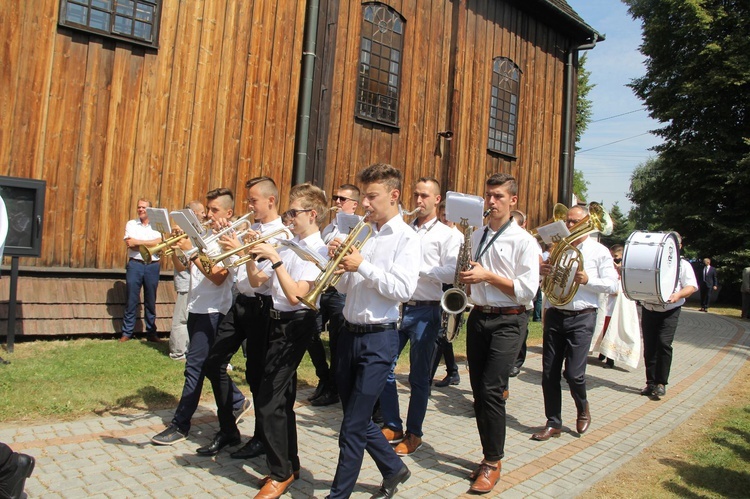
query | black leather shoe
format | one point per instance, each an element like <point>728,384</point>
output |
<point>450,379</point>
<point>514,371</point>
<point>327,398</point>
<point>648,390</point>
<point>318,391</point>
<point>390,485</point>
<point>253,448</point>
<point>220,441</point>
<point>12,485</point>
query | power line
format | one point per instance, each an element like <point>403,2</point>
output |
<point>610,143</point>
<point>617,115</point>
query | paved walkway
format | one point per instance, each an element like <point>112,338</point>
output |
<point>112,456</point>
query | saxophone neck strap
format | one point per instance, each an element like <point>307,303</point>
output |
<point>482,249</point>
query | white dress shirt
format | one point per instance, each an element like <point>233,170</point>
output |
<point>205,297</point>
<point>603,277</point>
<point>514,255</point>
<point>136,230</point>
<point>240,273</point>
<point>298,268</point>
<point>440,245</point>
<point>386,277</point>
<point>687,278</point>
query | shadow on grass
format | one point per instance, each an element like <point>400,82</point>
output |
<point>147,398</point>
<point>719,480</point>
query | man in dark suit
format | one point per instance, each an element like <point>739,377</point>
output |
<point>708,283</point>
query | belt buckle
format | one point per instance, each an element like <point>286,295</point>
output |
<point>411,303</point>
<point>275,314</point>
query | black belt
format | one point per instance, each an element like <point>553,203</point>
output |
<point>573,313</point>
<point>287,316</point>
<point>369,328</point>
<point>501,310</point>
<point>423,303</point>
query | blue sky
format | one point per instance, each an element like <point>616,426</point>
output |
<point>606,163</point>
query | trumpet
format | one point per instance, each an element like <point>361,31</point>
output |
<point>415,211</point>
<point>185,256</point>
<point>328,277</point>
<point>166,246</point>
<point>286,231</point>
<point>566,259</point>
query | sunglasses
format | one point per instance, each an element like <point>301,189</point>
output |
<point>617,260</point>
<point>341,198</point>
<point>293,213</point>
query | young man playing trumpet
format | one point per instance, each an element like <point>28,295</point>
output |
<point>209,299</point>
<point>376,280</point>
<point>247,320</point>
<point>292,326</point>
<point>503,277</point>
<point>421,318</point>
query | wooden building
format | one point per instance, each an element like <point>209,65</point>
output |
<point>113,100</point>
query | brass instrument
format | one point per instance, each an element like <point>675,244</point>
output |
<point>566,259</point>
<point>328,277</point>
<point>185,256</point>
<point>559,213</point>
<point>148,253</point>
<point>454,300</point>
<point>243,260</point>
<point>415,211</point>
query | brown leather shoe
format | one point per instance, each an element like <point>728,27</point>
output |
<point>124,338</point>
<point>393,436</point>
<point>266,479</point>
<point>273,489</point>
<point>546,434</point>
<point>487,478</point>
<point>583,420</point>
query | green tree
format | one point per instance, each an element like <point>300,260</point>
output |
<point>584,106</point>
<point>622,227</point>
<point>580,185</point>
<point>697,84</point>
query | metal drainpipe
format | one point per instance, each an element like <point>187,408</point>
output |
<point>299,169</point>
<point>566,161</point>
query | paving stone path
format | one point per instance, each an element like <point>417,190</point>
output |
<point>111,457</point>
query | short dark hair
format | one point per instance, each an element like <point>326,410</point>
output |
<point>351,187</point>
<point>221,192</point>
<point>616,247</point>
<point>381,173</point>
<point>503,179</point>
<point>268,188</point>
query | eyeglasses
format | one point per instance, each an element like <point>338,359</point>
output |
<point>617,260</point>
<point>293,213</point>
<point>341,198</point>
<point>571,222</point>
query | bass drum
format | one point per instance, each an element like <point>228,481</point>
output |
<point>650,266</point>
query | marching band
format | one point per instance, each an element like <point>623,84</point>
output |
<point>259,282</point>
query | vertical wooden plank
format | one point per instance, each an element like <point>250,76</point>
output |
<point>12,16</point>
<point>457,168</point>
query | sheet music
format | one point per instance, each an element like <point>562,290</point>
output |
<point>304,253</point>
<point>460,206</point>
<point>554,232</point>
<point>188,222</point>
<point>159,220</point>
<point>346,222</point>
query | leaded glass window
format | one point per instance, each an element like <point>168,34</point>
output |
<point>506,83</point>
<point>132,20</point>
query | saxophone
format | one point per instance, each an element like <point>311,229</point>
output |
<point>455,301</point>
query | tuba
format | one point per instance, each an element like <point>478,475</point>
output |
<point>566,259</point>
<point>455,300</point>
<point>328,276</point>
<point>559,213</point>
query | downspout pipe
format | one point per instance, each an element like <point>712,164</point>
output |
<point>299,168</point>
<point>569,110</point>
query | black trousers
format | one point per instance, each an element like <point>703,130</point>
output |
<point>705,295</point>
<point>491,345</point>
<point>288,340</point>
<point>566,339</point>
<point>658,333</point>
<point>331,312</point>
<point>244,317</point>
<point>521,357</point>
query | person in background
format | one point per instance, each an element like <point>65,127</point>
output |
<point>445,347</point>
<point>139,274</point>
<point>659,324</point>
<point>330,314</point>
<point>708,284</point>
<point>745,290</point>
<point>616,252</point>
<point>178,337</point>
<point>515,369</point>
